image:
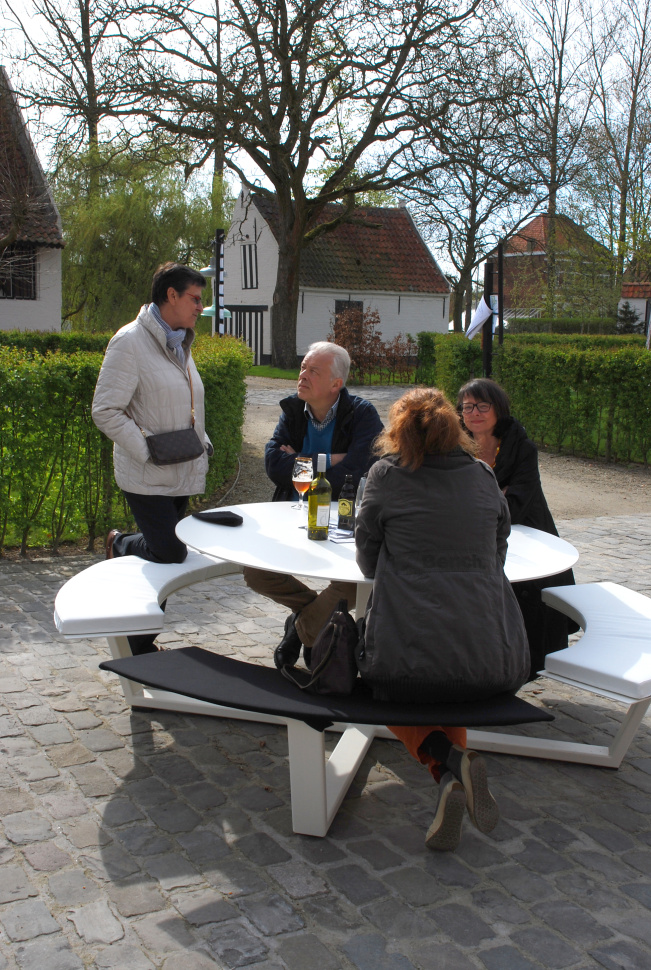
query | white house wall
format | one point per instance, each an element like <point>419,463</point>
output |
<point>399,313</point>
<point>43,313</point>
<point>250,227</point>
<point>638,305</point>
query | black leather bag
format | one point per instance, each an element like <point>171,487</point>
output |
<point>173,447</point>
<point>332,665</point>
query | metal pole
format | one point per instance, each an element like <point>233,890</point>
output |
<point>487,329</point>
<point>500,291</point>
<point>219,279</point>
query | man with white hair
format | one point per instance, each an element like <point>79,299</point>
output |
<point>322,417</point>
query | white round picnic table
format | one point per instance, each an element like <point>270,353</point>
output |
<point>271,537</point>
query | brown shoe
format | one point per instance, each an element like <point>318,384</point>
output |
<point>110,539</point>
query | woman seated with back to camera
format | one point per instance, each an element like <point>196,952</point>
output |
<point>503,444</point>
<point>442,623</point>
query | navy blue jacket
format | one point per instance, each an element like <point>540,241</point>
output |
<point>357,425</point>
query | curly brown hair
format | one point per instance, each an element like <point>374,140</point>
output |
<point>422,422</point>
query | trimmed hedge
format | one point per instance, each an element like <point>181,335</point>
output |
<point>43,342</point>
<point>56,469</point>
<point>562,325</point>
<point>588,396</point>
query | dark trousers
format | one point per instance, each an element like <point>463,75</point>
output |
<point>156,517</point>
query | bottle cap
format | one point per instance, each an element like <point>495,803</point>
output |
<point>321,462</point>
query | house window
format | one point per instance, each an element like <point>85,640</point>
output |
<point>18,272</point>
<point>249,266</point>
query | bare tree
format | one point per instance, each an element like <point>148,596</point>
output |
<point>71,74</point>
<point>286,70</point>
<point>618,144</point>
<point>554,112</point>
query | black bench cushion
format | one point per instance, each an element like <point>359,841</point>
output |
<point>206,676</point>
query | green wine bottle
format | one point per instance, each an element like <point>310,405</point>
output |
<point>318,503</point>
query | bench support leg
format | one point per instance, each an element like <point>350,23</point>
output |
<point>319,787</point>
<point>588,754</point>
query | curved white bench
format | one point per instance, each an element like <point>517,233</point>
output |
<point>612,659</point>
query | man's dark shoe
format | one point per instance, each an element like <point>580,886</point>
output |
<point>289,649</point>
<point>110,539</point>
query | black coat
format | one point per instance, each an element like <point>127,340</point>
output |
<point>443,623</point>
<point>516,470</point>
<point>357,425</point>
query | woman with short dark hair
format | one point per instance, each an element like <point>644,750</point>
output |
<point>442,622</point>
<point>503,444</point>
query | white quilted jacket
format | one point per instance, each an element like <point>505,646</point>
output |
<point>143,385</point>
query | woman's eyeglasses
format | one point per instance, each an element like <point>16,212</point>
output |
<point>482,407</point>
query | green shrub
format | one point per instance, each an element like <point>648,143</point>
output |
<point>42,342</point>
<point>562,325</point>
<point>56,471</point>
<point>584,395</point>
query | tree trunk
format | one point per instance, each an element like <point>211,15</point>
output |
<point>285,306</point>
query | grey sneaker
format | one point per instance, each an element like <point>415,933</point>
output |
<point>445,831</point>
<point>470,768</point>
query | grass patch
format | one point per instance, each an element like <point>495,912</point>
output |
<point>262,370</point>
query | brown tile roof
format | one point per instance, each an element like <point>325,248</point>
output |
<point>22,183</point>
<point>535,236</point>
<point>391,258</point>
<point>636,291</point>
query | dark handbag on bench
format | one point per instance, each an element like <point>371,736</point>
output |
<point>332,665</point>
<point>173,447</point>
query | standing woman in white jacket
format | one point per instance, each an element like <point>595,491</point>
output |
<point>149,384</point>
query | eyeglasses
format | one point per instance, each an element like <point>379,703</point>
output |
<point>482,407</point>
<point>195,299</point>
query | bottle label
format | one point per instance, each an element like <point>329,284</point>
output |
<point>345,506</point>
<point>322,516</point>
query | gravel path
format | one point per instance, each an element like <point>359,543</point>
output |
<point>574,487</point>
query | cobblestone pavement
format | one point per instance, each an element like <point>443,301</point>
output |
<point>139,840</point>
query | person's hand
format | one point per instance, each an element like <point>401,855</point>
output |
<point>335,459</point>
<point>287,449</point>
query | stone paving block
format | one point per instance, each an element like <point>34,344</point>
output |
<point>10,727</point>
<point>46,856</point>
<point>506,958</point>
<point>541,858</point>
<point>301,952</point>
<point>376,853</point>
<point>204,795</point>
<point>85,831</point>
<point>12,801</point>
<point>100,739</point>
<point>355,883</point>
<point>639,891</point>
<point>318,851</point>
<point>53,954</point>
<point>164,932</point>
<point>172,871</point>
<point>369,952</point>
<point>65,755</point>
<point>261,849</point>
<point>586,890</point>
<point>109,863</point>
<point>232,877</point>
<point>135,895</point>
<point>614,870</point>
<point>27,920</point>
<point>205,906</point>
<point>449,870</point>
<point>637,926</point>
<point>440,956</point>
<point>83,720</point>
<point>203,846</point>
<point>415,886</point>
<point>96,923</point>
<point>35,768</point>
<point>174,816</point>
<point>33,716</point>
<point>93,781</point>
<point>479,851</point>
<point>271,914</point>
<point>14,884</point>
<point>461,924</point>
<point>546,947</point>
<point>398,921</point>
<point>195,960</point>
<point>65,805</point>
<point>73,886</point>
<point>609,838</point>
<point>523,884</point>
<point>622,956</point>
<point>236,946</point>
<point>255,799</point>
<point>123,956</point>
<point>143,839</point>
<point>297,879</point>
<point>639,859</point>
<point>27,827</point>
<point>48,734</point>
